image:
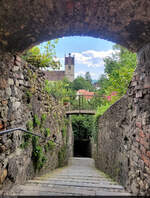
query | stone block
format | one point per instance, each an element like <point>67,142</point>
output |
<point>16,105</point>
<point>148,154</point>
<point>146,160</point>
<point>17,83</point>
<point>134,83</point>
<point>10,81</point>
<point>12,169</point>
<point>21,82</point>
<point>137,139</point>
<point>3,83</point>
<point>141,134</point>
<point>144,121</point>
<point>147,82</point>
<point>3,175</point>
<point>4,102</point>
<point>134,187</point>
<point>147,170</point>
<point>15,68</point>
<point>18,59</point>
<point>136,100</point>
<point>18,63</point>
<point>144,143</point>
<point>139,124</point>
<point>147,135</point>
<point>2,149</point>
<point>139,94</point>
<point>137,77</point>
<point>1,125</point>
<point>143,150</point>
<point>8,91</point>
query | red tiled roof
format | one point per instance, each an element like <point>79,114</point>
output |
<point>85,93</point>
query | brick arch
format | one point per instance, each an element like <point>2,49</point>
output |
<point>26,23</point>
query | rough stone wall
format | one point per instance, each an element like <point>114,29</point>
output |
<point>112,141</point>
<point>123,148</point>
<point>40,20</point>
<point>25,104</point>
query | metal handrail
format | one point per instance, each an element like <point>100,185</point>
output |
<point>25,131</point>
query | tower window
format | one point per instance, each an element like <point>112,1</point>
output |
<point>69,67</point>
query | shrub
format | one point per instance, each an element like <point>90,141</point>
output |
<point>36,121</point>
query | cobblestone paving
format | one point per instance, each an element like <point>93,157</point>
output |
<point>80,178</point>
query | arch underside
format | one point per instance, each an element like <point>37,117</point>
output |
<point>26,23</point>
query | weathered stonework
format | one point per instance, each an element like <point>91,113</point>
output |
<point>26,23</point>
<point>24,102</point>
<point>123,148</point>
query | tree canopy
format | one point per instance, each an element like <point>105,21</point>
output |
<point>82,83</point>
<point>88,77</point>
<point>118,71</point>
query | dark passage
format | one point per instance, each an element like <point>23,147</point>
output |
<point>82,148</point>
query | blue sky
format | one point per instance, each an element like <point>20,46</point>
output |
<point>89,53</point>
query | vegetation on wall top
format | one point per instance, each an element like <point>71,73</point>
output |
<point>43,55</point>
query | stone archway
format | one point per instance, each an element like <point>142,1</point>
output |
<point>26,23</point>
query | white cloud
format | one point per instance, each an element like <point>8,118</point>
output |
<point>80,73</point>
<point>94,75</point>
<point>92,58</point>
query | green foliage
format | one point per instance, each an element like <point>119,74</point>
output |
<point>119,70</point>
<point>42,130</point>
<point>66,122</point>
<point>29,95</point>
<point>27,138</point>
<point>62,156</point>
<point>29,125</point>
<point>43,118</point>
<point>36,121</point>
<point>47,132</point>
<point>64,131</point>
<point>81,83</point>
<point>24,145</point>
<point>38,156</point>
<point>51,145</point>
<point>88,77</point>
<point>46,148</point>
<point>101,109</point>
<point>43,55</point>
<point>82,126</point>
<point>59,89</point>
<point>118,73</point>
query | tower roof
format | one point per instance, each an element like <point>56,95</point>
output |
<point>69,60</point>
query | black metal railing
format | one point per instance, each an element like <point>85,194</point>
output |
<point>28,132</point>
<point>81,102</point>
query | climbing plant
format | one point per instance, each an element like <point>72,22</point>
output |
<point>43,55</point>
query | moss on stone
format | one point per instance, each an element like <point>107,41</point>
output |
<point>62,156</point>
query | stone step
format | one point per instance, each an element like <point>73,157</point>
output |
<point>55,180</point>
<point>89,178</point>
<point>72,190</point>
<point>78,179</point>
<point>78,184</point>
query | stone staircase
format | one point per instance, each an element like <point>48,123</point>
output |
<point>80,178</point>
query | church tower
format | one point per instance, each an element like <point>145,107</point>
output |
<point>69,67</point>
